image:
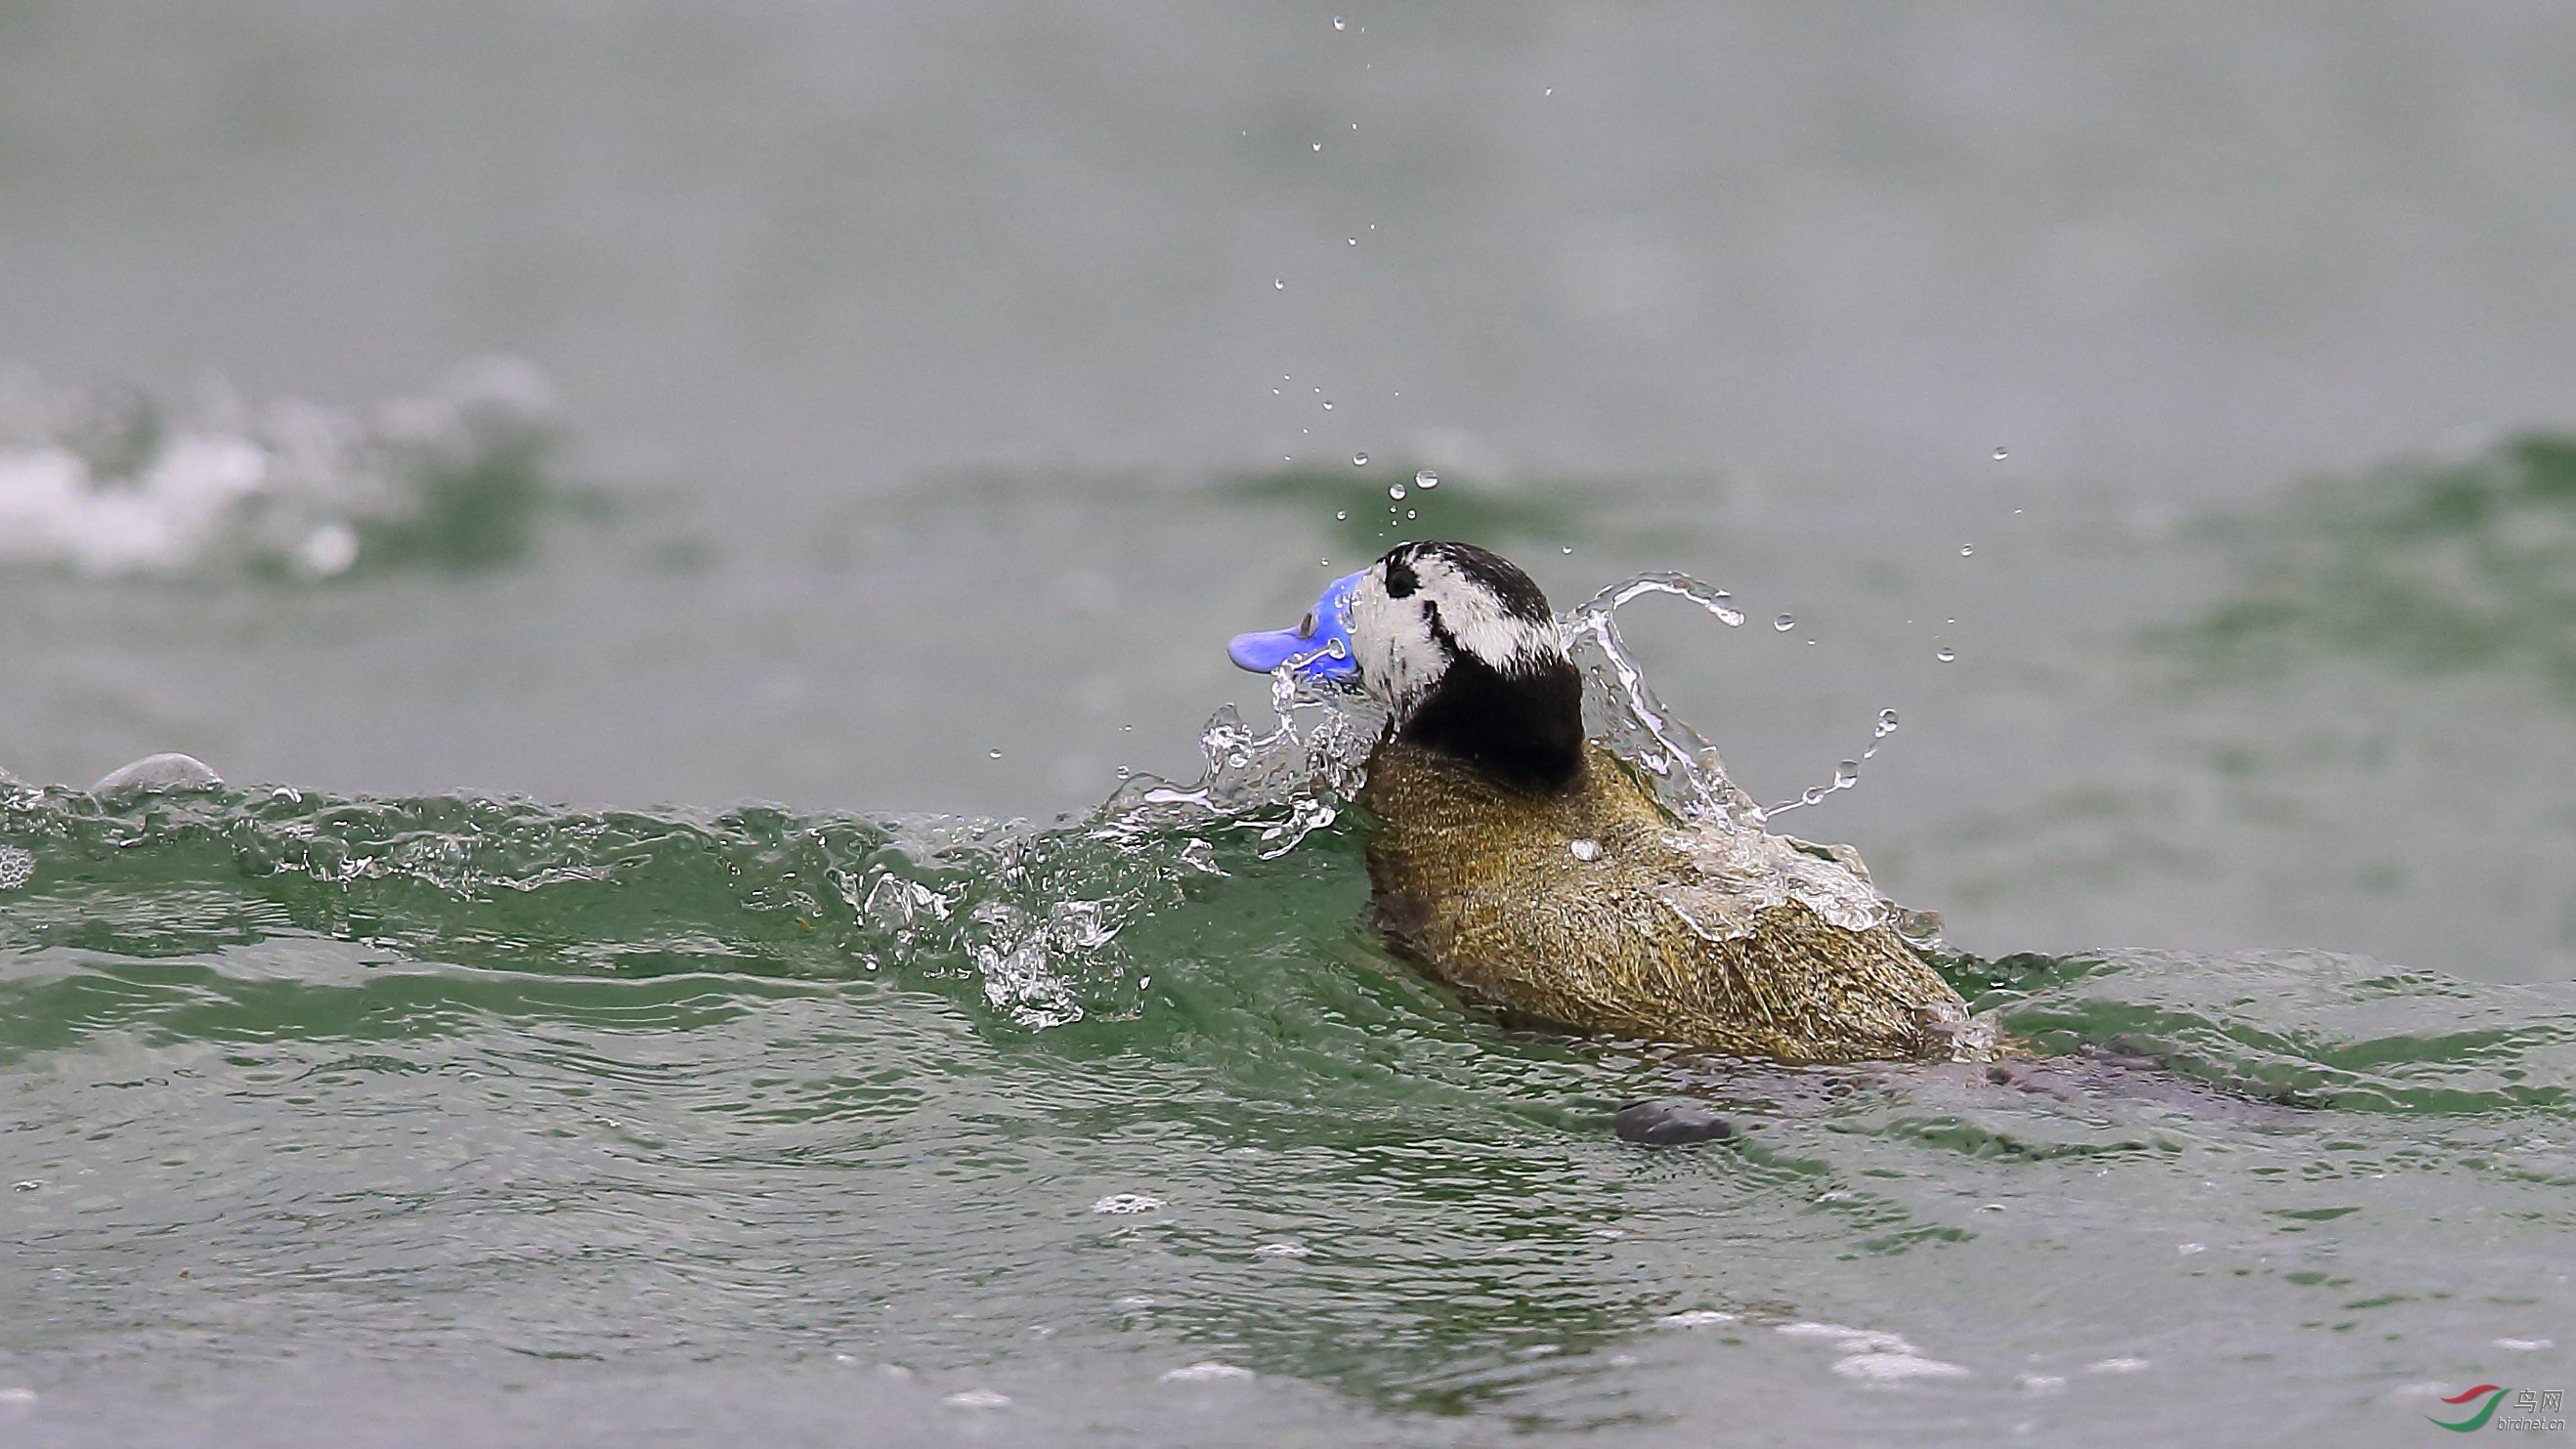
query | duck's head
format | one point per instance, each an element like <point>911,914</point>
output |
<point>1461,648</point>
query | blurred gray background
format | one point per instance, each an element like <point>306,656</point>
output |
<point>801,249</point>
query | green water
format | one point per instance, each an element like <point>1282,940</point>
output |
<point>461,1113</point>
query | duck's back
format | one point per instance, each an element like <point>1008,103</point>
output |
<point>1590,908</point>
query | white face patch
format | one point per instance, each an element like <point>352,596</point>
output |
<point>1400,654</point>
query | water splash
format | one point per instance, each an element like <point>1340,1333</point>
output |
<point>1271,788</point>
<point>1679,764</point>
<point>1687,776</point>
<point>1032,919</point>
<point>1742,873</point>
<point>1846,773</point>
<point>17,867</point>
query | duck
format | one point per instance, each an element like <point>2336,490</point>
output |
<point>1531,870</point>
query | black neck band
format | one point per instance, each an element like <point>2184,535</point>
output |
<point>1524,729</point>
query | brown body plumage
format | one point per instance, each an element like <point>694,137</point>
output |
<point>1588,907</point>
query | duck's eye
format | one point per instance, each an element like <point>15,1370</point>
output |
<point>1306,626</point>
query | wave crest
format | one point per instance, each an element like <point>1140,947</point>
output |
<point>111,483</point>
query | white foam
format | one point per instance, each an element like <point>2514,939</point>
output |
<point>1896,1367</point>
<point>102,486</point>
<point>1874,1355</point>
<point>1127,1202</point>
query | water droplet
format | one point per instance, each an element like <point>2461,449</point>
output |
<point>1328,404</point>
<point>1409,513</point>
<point>1355,241</point>
<point>1967,550</point>
<point>1427,478</point>
<point>1945,653</point>
<point>1784,623</point>
<point>1319,145</point>
<point>1585,849</point>
<point>1569,548</point>
<point>1395,491</point>
<point>1361,460</point>
<point>1811,795</point>
<point>1886,723</point>
<point>1846,774</point>
<point>2002,453</point>
<point>1337,22</point>
<point>1278,284</point>
<point>997,754</point>
<point>1341,513</point>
